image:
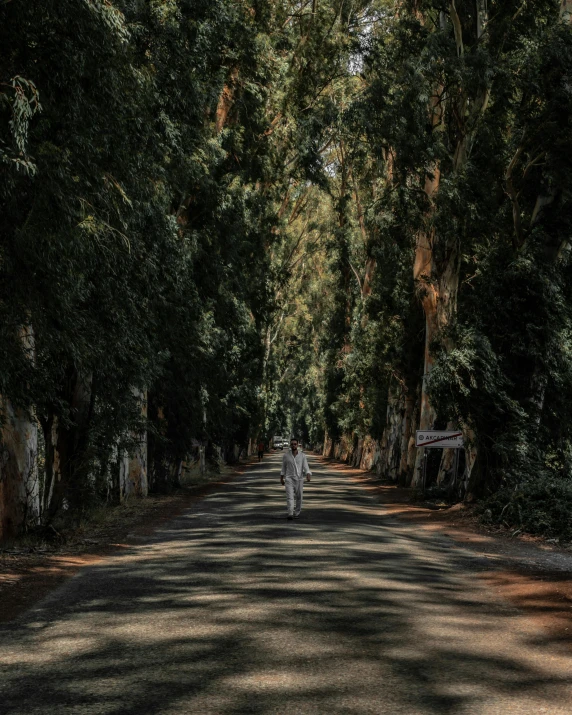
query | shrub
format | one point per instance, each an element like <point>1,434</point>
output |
<point>542,505</point>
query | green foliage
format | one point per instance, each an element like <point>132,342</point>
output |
<point>217,204</point>
<point>489,122</point>
<point>538,505</point>
<point>142,215</point>
<point>135,248</point>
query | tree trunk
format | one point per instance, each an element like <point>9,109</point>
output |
<point>447,460</point>
<point>470,477</point>
<point>202,461</point>
<point>328,449</point>
<point>412,449</point>
<point>19,482</point>
<point>392,439</point>
<point>225,102</point>
<point>438,281</point>
<point>424,270</point>
<point>370,453</point>
<point>19,485</point>
<point>67,458</point>
<point>133,470</point>
<point>406,434</point>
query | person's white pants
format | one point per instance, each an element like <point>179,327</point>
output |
<point>294,489</point>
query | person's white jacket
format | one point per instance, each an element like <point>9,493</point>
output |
<point>295,466</point>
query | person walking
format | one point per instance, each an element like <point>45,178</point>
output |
<point>294,469</point>
<point>260,450</point>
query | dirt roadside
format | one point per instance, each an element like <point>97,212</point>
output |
<point>531,573</point>
<point>30,570</point>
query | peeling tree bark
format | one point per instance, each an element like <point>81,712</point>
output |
<point>437,281</point>
<point>133,478</point>
<point>19,483</point>
<point>19,486</point>
<point>225,102</point>
<point>427,290</point>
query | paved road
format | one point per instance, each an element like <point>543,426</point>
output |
<point>232,609</point>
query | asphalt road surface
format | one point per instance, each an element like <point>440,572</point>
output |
<point>232,609</point>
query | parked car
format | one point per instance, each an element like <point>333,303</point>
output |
<point>278,442</point>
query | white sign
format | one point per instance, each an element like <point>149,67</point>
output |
<point>439,438</point>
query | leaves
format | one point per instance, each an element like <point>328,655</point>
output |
<point>218,202</point>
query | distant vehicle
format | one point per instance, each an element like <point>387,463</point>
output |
<point>278,442</point>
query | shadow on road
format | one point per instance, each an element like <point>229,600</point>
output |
<point>232,609</point>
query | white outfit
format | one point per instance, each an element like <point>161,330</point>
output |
<point>294,469</point>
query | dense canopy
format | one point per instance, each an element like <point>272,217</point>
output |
<point>223,220</point>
